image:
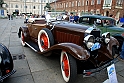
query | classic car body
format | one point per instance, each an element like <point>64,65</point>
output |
<point>82,49</point>
<point>6,63</point>
<point>105,24</point>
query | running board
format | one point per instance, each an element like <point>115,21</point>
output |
<point>33,46</point>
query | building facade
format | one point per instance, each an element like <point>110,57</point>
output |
<point>103,7</point>
<point>25,6</point>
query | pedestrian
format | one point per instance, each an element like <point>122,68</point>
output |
<point>43,16</point>
<point>76,18</point>
<point>67,18</point>
<point>11,16</point>
<point>59,17</point>
<point>8,16</point>
<point>48,17</point>
<point>71,17</point>
<point>64,16</point>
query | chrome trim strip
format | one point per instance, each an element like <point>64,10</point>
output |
<point>31,47</point>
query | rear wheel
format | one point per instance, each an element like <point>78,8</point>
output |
<point>68,67</point>
<point>22,39</point>
<point>45,39</point>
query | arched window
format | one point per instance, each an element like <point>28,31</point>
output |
<point>16,6</point>
<point>34,7</point>
<point>87,2</point>
<point>6,5</point>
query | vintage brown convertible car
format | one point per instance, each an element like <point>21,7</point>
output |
<point>82,49</point>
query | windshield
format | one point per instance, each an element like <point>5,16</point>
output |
<point>106,22</point>
<point>109,23</point>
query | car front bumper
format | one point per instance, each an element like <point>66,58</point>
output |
<point>7,75</point>
<point>91,72</point>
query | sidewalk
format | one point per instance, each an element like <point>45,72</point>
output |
<point>35,68</point>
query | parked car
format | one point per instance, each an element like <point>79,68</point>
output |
<point>105,24</point>
<point>6,63</point>
<point>82,49</point>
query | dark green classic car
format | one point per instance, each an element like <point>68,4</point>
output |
<point>105,24</point>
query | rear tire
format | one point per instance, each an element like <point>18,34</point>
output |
<point>68,67</point>
<point>22,38</point>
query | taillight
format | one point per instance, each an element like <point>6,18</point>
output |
<point>7,71</point>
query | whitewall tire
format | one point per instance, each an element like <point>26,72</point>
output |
<point>68,67</point>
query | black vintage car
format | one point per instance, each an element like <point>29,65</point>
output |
<point>82,49</point>
<point>6,63</point>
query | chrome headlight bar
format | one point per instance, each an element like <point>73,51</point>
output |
<point>89,41</point>
<point>106,37</point>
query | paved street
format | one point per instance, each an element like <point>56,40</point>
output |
<point>35,68</point>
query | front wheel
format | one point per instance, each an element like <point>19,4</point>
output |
<point>68,67</point>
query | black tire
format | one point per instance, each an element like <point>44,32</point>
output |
<point>45,39</point>
<point>22,38</point>
<point>1,74</point>
<point>115,51</point>
<point>68,67</point>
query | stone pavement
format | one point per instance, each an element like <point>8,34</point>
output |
<point>36,68</point>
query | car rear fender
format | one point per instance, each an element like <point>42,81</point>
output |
<point>75,50</point>
<point>23,29</point>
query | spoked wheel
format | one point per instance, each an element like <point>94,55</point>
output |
<point>45,39</point>
<point>22,39</point>
<point>68,67</point>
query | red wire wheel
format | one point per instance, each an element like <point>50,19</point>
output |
<point>65,65</point>
<point>68,67</point>
<point>45,39</point>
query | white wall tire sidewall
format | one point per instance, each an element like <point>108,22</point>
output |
<point>22,42</point>
<point>63,73</point>
<point>39,43</point>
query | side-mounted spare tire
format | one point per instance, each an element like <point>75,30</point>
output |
<point>45,39</point>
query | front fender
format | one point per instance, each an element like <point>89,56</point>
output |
<point>113,42</point>
<point>75,50</point>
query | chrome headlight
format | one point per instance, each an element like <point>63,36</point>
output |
<point>89,41</point>
<point>0,59</point>
<point>106,37</point>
